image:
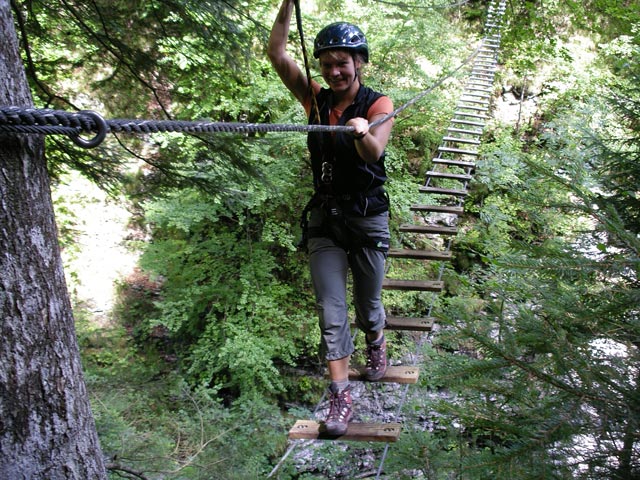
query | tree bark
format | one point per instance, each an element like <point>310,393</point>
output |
<point>46,426</point>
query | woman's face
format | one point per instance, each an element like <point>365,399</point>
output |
<point>339,69</point>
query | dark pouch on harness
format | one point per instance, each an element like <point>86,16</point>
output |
<point>367,204</point>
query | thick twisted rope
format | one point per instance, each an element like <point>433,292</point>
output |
<point>48,121</point>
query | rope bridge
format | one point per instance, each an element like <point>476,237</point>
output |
<point>453,163</point>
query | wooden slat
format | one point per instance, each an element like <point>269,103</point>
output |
<point>419,254</point>
<point>465,131</point>
<point>479,68</point>
<point>484,100</point>
<point>394,374</point>
<point>477,79</point>
<point>464,121</point>
<point>438,208</point>
<point>463,177</point>
<point>415,285</point>
<point>444,191</point>
<point>435,229</point>
<point>472,141</point>
<point>453,162</point>
<point>472,107</point>
<point>472,115</point>
<point>362,432</point>
<point>473,88</point>
<point>483,93</point>
<point>460,151</point>
<point>418,324</point>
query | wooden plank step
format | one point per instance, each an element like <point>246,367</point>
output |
<point>472,88</point>
<point>444,191</point>
<point>482,82</point>
<point>472,107</point>
<point>461,121</point>
<point>475,101</point>
<point>454,163</point>
<point>394,374</point>
<point>462,177</point>
<point>412,285</point>
<point>428,229</point>
<point>464,131</point>
<point>485,66</point>
<point>418,324</point>
<point>460,151</point>
<point>481,74</point>
<point>438,208</point>
<point>419,254</point>
<point>482,71</point>
<point>486,63</point>
<point>361,432</point>
<point>480,78</point>
<point>472,115</point>
<point>472,141</point>
<point>469,99</point>
<point>480,68</point>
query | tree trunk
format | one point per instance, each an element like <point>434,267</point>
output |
<point>46,426</point>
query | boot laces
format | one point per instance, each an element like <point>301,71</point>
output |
<point>375,356</point>
<point>339,406</point>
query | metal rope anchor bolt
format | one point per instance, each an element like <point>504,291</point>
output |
<point>100,125</point>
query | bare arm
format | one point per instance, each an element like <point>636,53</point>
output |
<point>370,143</point>
<point>287,69</point>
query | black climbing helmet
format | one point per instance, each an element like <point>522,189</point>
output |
<point>341,35</point>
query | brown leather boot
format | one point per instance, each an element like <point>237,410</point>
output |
<point>340,411</point>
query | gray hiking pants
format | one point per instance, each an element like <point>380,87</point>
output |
<point>329,265</point>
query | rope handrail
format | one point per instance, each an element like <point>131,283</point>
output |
<point>15,119</point>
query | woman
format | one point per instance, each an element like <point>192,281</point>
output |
<point>348,225</point>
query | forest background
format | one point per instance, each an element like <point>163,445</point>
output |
<point>211,350</point>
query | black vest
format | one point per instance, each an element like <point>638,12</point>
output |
<point>351,175</point>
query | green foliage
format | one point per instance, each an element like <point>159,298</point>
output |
<point>538,356</point>
<point>533,373</point>
<point>149,420</point>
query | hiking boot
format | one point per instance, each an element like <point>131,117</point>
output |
<point>376,360</point>
<point>340,411</point>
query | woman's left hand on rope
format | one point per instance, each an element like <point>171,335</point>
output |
<point>360,127</point>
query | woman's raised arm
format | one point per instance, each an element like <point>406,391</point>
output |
<point>288,70</point>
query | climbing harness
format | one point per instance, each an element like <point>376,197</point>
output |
<point>336,225</point>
